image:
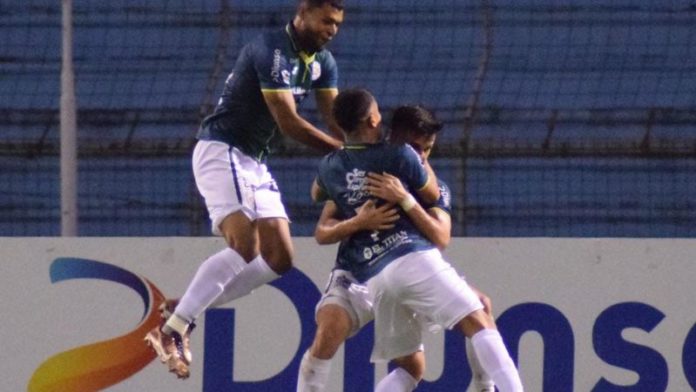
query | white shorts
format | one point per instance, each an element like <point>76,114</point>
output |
<point>231,181</point>
<point>419,284</point>
<point>343,290</point>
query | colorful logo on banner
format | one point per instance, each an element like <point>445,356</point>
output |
<point>99,365</point>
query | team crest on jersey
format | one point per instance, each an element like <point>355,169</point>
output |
<point>355,184</point>
<point>316,71</point>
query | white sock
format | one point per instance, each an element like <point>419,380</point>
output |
<point>209,282</point>
<point>480,379</point>
<point>496,361</point>
<point>314,373</point>
<point>397,380</point>
<point>255,274</point>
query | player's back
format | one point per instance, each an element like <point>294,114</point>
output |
<point>342,175</point>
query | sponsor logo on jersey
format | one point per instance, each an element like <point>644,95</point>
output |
<point>275,68</point>
<point>355,184</point>
<point>445,195</point>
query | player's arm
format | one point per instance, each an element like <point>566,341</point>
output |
<point>317,192</point>
<point>325,98</point>
<point>282,106</point>
<point>434,223</point>
<point>430,192</point>
<point>330,229</point>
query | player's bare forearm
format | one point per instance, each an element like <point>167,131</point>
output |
<point>282,106</point>
<point>324,99</point>
<point>434,224</point>
<point>436,231</point>
<point>330,230</point>
<point>305,133</point>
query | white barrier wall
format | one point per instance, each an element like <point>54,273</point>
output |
<point>577,314</point>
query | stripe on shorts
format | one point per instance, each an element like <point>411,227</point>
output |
<point>234,176</point>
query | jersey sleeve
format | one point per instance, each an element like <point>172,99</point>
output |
<point>327,69</point>
<point>269,64</point>
<point>320,178</point>
<point>411,168</point>
<point>445,201</point>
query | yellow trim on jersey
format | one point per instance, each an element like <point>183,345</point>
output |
<point>426,184</point>
<point>274,90</point>
<point>307,58</point>
<point>354,146</point>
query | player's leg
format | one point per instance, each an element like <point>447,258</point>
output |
<point>480,379</point>
<point>490,350</point>
<point>343,309</point>
<point>266,264</point>
<point>406,376</point>
<point>219,176</point>
<point>225,178</point>
<point>333,327</point>
<point>274,255</point>
<point>434,289</point>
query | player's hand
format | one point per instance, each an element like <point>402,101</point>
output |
<point>371,217</point>
<point>386,187</point>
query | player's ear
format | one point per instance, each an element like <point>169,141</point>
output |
<point>374,119</point>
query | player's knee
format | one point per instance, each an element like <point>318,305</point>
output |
<point>476,321</point>
<point>240,235</point>
<point>333,328</point>
<point>487,304</point>
<point>278,258</point>
<point>414,364</point>
<point>245,247</point>
<point>327,341</point>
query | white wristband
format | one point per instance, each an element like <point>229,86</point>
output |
<point>407,202</point>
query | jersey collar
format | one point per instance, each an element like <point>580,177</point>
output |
<point>362,146</point>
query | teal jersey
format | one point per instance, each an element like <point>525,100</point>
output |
<point>271,62</point>
<point>342,177</point>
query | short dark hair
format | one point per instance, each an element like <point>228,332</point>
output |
<point>351,107</point>
<point>414,119</point>
<point>338,4</point>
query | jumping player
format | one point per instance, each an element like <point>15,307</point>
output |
<point>271,76</point>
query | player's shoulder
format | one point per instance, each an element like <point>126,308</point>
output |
<point>405,150</point>
<point>330,158</point>
<point>325,56</point>
<point>267,42</point>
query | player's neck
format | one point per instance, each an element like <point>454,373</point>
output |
<point>296,36</point>
<point>365,136</point>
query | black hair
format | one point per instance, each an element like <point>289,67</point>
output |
<point>338,4</point>
<point>414,119</point>
<point>351,107</point>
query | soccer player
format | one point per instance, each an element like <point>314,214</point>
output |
<point>403,270</point>
<point>271,76</point>
<point>345,306</point>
